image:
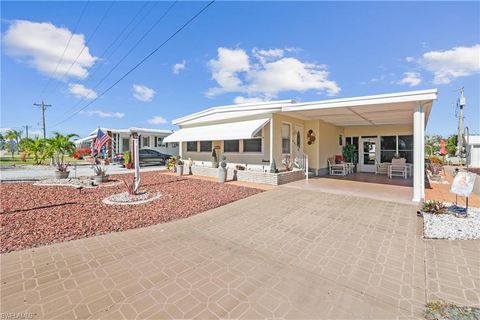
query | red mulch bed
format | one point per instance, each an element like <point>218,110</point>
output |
<point>35,215</point>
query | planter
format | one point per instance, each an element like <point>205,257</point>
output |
<point>435,177</point>
<point>179,170</point>
<point>100,179</point>
<point>222,174</point>
<point>61,174</point>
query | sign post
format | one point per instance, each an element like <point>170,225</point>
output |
<point>462,185</point>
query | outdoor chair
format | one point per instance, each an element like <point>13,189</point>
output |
<point>381,168</point>
<point>337,169</point>
<point>398,168</point>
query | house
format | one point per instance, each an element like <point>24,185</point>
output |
<point>122,140</point>
<point>473,151</point>
<point>255,135</point>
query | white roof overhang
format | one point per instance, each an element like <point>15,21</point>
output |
<point>386,109</point>
<point>223,131</point>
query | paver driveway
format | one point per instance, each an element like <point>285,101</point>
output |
<point>287,253</point>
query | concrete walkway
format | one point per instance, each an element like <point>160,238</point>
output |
<point>288,252</point>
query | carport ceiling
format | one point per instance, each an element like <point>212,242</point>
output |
<point>373,110</point>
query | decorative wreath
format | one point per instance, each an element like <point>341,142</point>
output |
<point>310,137</point>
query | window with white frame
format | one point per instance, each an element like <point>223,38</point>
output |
<point>392,145</point>
<point>231,146</point>
<point>146,141</point>
<point>286,137</point>
<point>192,146</point>
<point>205,146</point>
<point>254,144</point>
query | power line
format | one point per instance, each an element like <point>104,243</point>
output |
<point>127,54</point>
<point>141,61</point>
<point>64,50</point>
<point>89,38</point>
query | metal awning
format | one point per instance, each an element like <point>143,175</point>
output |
<point>223,131</point>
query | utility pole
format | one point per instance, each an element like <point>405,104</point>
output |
<point>460,134</point>
<point>43,106</point>
<point>26,130</point>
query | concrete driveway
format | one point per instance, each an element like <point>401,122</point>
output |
<point>287,252</point>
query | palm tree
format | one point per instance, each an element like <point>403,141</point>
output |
<point>61,145</point>
<point>13,135</point>
<point>35,147</point>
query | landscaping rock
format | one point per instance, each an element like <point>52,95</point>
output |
<point>448,226</point>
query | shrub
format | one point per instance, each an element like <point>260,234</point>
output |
<point>436,160</point>
<point>434,206</point>
<point>81,152</point>
<point>172,161</point>
<point>434,168</point>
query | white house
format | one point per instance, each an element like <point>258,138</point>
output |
<point>473,151</point>
<point>122,140</point>
<point>256,134</point>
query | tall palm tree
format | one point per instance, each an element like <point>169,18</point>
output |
<point>13,135</point>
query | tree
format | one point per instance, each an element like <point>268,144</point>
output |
<point>35,147</point>
<point>13,135</point>
<point>432,144</point>
<point>451,144</point>
<point>59,146</point>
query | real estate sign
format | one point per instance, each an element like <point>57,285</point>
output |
<point>462,184</point>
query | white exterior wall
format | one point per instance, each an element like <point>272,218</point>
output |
<point>473,151</point>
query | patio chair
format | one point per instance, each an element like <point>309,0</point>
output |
<point>337,169</point>
<point>381,167</point>
<point>398,168</point>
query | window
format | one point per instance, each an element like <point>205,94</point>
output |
<point>405,147</point>
<point>231,146</point>
<point>252,145</point>
<point>192,146</point>
<point>388,148</point>
<point>205,146</point>
<point>146,141</point>
<point>286,138</point>
<point>158,142</point>
<point>125,144</point>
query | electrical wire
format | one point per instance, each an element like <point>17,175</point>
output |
<point>45,87</point>
<point>140,62</point>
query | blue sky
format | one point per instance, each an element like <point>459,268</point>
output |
<point>235,51</point>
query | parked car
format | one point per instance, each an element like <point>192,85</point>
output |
<point>118,158</point>
<point>152,157</point>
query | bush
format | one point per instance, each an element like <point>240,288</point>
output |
<point>433,206</point>
<point>436,160</point>
<point>80,153</point>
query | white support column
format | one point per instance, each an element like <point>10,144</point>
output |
<point>418,154</point>
<point>180,149</point>
<point>271,139</point>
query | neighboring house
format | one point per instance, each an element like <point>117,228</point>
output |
<point>122,140</point>
<point>473,151</point>
<point>255,134</point>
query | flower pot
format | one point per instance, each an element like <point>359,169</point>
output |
<point>436,177</point>
<point>61,174</point>
<point>222,174</point>
<point>179,170</point>
<point>100,179</point>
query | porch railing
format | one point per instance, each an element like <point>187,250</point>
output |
<point>301,159</point>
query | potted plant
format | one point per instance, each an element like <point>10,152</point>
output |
<point>171,164</point>
<point>350,154</point>
<point>435,169</point>
<point>61,145</point>
<point>100,173</point>
<point>179,166</point>
<point>127,160</point>
<point>222,170</point>
<point>214,159</point>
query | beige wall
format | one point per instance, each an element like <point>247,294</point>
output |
<point>278,120</point>
<point>357,131</point>
<point>237,157</point>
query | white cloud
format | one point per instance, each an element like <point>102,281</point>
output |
<point>80,91</point>
<point>240,99</point>
<point>41,46</point>
<point>177,67</point>
<point>270,73</point>
<point>103,114</point>
<point>411,78</point>
<point>409,59</point>
<point>143,93</point>
<point>450,64</point>
<point>225,70</point>
<point>157,120</point>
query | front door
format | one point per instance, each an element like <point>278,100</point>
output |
<point>368,153</point>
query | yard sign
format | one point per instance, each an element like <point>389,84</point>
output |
<point>463,183</point>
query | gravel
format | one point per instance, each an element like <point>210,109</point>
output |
<point>448,226</point>
<point>125,198</point>
<point>31,215</point>
<point>85,182</point>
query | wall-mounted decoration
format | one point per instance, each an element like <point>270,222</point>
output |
<point>311,137</point>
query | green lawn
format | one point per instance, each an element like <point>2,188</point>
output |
<point>7,160</point>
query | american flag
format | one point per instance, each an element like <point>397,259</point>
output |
<point>101,140</point>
